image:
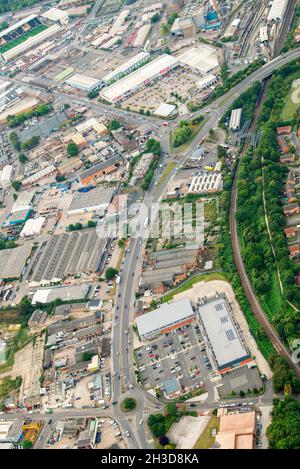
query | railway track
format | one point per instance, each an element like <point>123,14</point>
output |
<point>253,301</point>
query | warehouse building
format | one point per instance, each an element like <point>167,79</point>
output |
<point>235,119</point>
<point>6,175</point>
<point>201,59</point>
<point>68,255</point>
<point>17,218</point>
<point>165,319</point>
<point>83,82</point>
<point>127,67</point>
<point>277,10</point>
<point>165,110</point>
<point>136,80</point>
<point>64,293</point>
<point>104,168</point>
<point>119,25</point>
<point>142,35</point>
<point>96,200</point>
<point>184,27</point>
<point>225,344</point>
<point>32,227</point>
<point>37,177</point>
<point>24,201</point>
<point>56,15</point>
<point>13,261</point>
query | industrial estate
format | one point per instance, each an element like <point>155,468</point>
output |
<point>149,224</point>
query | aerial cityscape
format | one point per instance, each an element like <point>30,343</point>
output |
<point>149,225</point>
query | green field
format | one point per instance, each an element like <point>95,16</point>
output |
<point>23,38</point>
<point>292,104</point>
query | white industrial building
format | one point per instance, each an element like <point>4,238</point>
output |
<point>128,67</point>
<point>101,39</point>
<point>142,35</point>
<point>235,119</point>
<point>206,182</point>
<point>55,14</point>
<point>263,34</point>
<point>136,80</point>
<point>64,293</point>
<point>30,42</point>
<point>96,200</point>
<point>83,82</point>
<point>6,175</point>
<point>119,25</point>
<point>32,227</point>
<point>225,345</point>
<point>277,10</point>
<point>202,58</point>
<point>110,43</point>
<point>167,317</point>
<point>165,110</point>
<point>206,81</point>
<point>23,201</point>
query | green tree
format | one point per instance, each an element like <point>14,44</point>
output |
<point>129,404</point>
<point>27,444</point>
<point>114,125</point>
<point>72,148</point>
<point>110,273</point>
<point>16,185</point>
<point>87,356</point>
<point>23,158</point>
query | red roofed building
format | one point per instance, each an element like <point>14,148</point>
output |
<point>286,130</point>
<point>294,250</point>
<point>290,232</point>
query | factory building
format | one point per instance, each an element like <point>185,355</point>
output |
<point>96,200</point>
<point>67,255</point>
<point>6,175</point>
<point>13,261</point>
<point>235,119</point>
<point>43,173</point>
<point>202,58</point>
<point>83,82</point>
<point>105,168</point>
<point>184,27</point>
<point>142,35</point>
<point>32,227</point>
<point>56,15</point>
<point>224,341</point>
<point>277,10</point>
<point>165,319</point>
<point>64,293</point>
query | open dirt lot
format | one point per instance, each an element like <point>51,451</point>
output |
<point>186,432</point>
<point>209,289</point>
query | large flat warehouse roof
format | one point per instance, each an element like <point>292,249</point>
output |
<point>139,77</point>
<point>93,199</point>
<point>64,293</point>
<point>12,261</point>
<point>164,317</point>
<point>221,332</point>
<point>83,82</point>
<point>202,58</point>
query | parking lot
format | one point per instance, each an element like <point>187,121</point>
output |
<point>180,354</point>
<point>180,81</point>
